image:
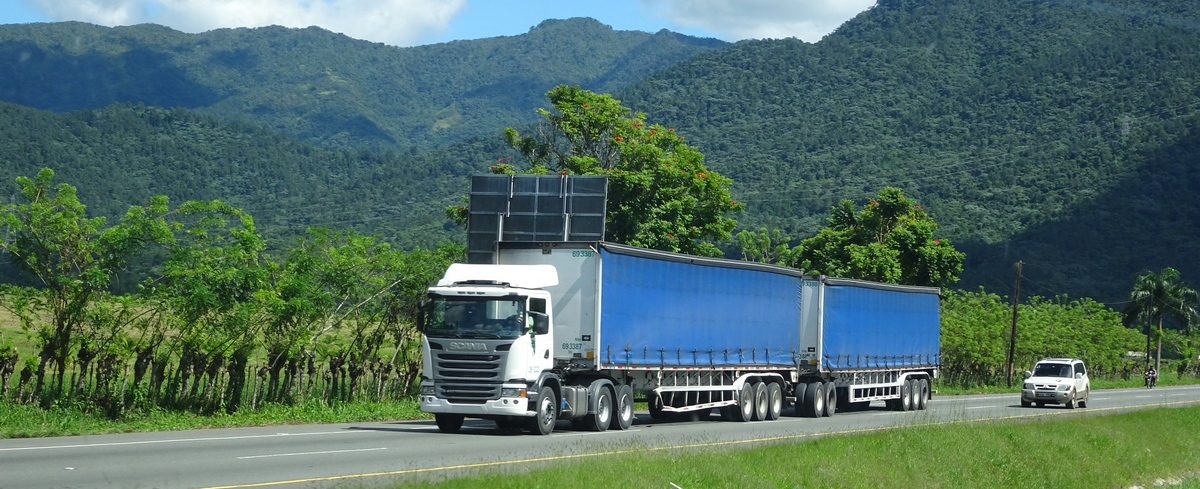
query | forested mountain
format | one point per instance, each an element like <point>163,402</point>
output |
<point>120,155</point>
<point>326,87</point>
<point>1059,133</point>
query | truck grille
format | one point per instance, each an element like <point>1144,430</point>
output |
<point>467,378</point>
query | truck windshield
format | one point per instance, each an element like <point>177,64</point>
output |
<point>475,317</point>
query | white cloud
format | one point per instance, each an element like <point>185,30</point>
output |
<point>103,12</point>
<point>395,22</point>
<point>734,20</point>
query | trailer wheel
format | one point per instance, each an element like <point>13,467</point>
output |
<point>814,400</point>
<point>922,394</point>
<point>906,396</point>
<point>831,399</point>
<point>760,401</point>
<point>623,417</point>
<point>798,405</point>
<point>547,412</point>
<point>600,420</point>
<point>774,401</point>
<point>448,423</point>
<point>745,405</point>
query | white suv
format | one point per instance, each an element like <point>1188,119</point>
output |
<point>1056,381</point>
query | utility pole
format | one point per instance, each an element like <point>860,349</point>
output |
<point>1012,335</point>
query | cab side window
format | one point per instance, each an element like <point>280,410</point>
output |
<point>1079,368</point>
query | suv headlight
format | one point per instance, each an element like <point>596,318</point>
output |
<point>427,390</point>
<point>512,392</point>
<point>1027,386</point>
<point>1064,387</point>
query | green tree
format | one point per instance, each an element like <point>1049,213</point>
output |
<point>764,246</point>
<point>891,239</point>
<point>660,194</point>
<point>1155,296</point>
<point>214,283</point>
<point>73,258</point>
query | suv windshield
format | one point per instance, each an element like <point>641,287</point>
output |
<point>474,317</point>
<point>1052,370</point>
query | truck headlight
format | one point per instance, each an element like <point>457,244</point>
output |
<point>427,390</point>
<point>1027,386</point>
<point>512,392</point>
<point>1064,387</point>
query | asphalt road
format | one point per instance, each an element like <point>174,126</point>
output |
<point>388,453</point>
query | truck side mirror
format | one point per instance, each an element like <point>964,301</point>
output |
<point>422,307</point>
<point>541,324</point>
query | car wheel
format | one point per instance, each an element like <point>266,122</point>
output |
<point>1025,403</point>
<point>1071,402</point>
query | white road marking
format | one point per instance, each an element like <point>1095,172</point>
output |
<point>311,453</point>
<point>980,407</point>
<point>591,433</point>
<point>178,440</point>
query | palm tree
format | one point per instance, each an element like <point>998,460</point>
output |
<point>1155,296</point>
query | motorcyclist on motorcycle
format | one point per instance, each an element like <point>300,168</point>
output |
<point>1151,377</point>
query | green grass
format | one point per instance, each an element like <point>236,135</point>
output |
<point>25,421</point>
<point>1118,451</point>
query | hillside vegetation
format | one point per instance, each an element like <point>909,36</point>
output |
<point>325,87</point>
<point>1058,133</point>
<point>1061,134</point>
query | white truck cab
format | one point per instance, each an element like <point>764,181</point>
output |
<point>486,343</point>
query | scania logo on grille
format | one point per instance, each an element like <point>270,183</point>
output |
<point>467,346</point>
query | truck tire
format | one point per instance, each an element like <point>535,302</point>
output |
<point>798,404</point>
<point>914,390</point>
<point>905,403</point>
<point>745,405</point>
<point>623,414</point>
<point>814,400</point>
<point>546,414</point>
<point>774,401</point>
<point>922,394</point>
<point>760,401</point>
<point>599,420</point>
<point>448,423</point>
<point>831,399</point>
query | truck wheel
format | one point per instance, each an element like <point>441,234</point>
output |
<point>905,403</point>
<point>774,401</point>
<point>745,405</point>
<point>600,420</point>
<point>798,405</point>
<point>547,413</point>
<point>922,394</point>
<point>623,416</point>
<point>760,401</point>
<point>448,423</point>
<point>814,400</point>
<point>913,390</point>
<point>831,399</point>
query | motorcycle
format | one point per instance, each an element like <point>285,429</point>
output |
<point>1151,379</point>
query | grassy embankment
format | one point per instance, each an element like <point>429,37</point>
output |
<point>1118,451</point>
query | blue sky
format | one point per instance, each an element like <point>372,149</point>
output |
<point>415,22</point>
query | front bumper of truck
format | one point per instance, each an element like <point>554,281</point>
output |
<point>504,406</point>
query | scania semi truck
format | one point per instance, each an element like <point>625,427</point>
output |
<point>580,331</point>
